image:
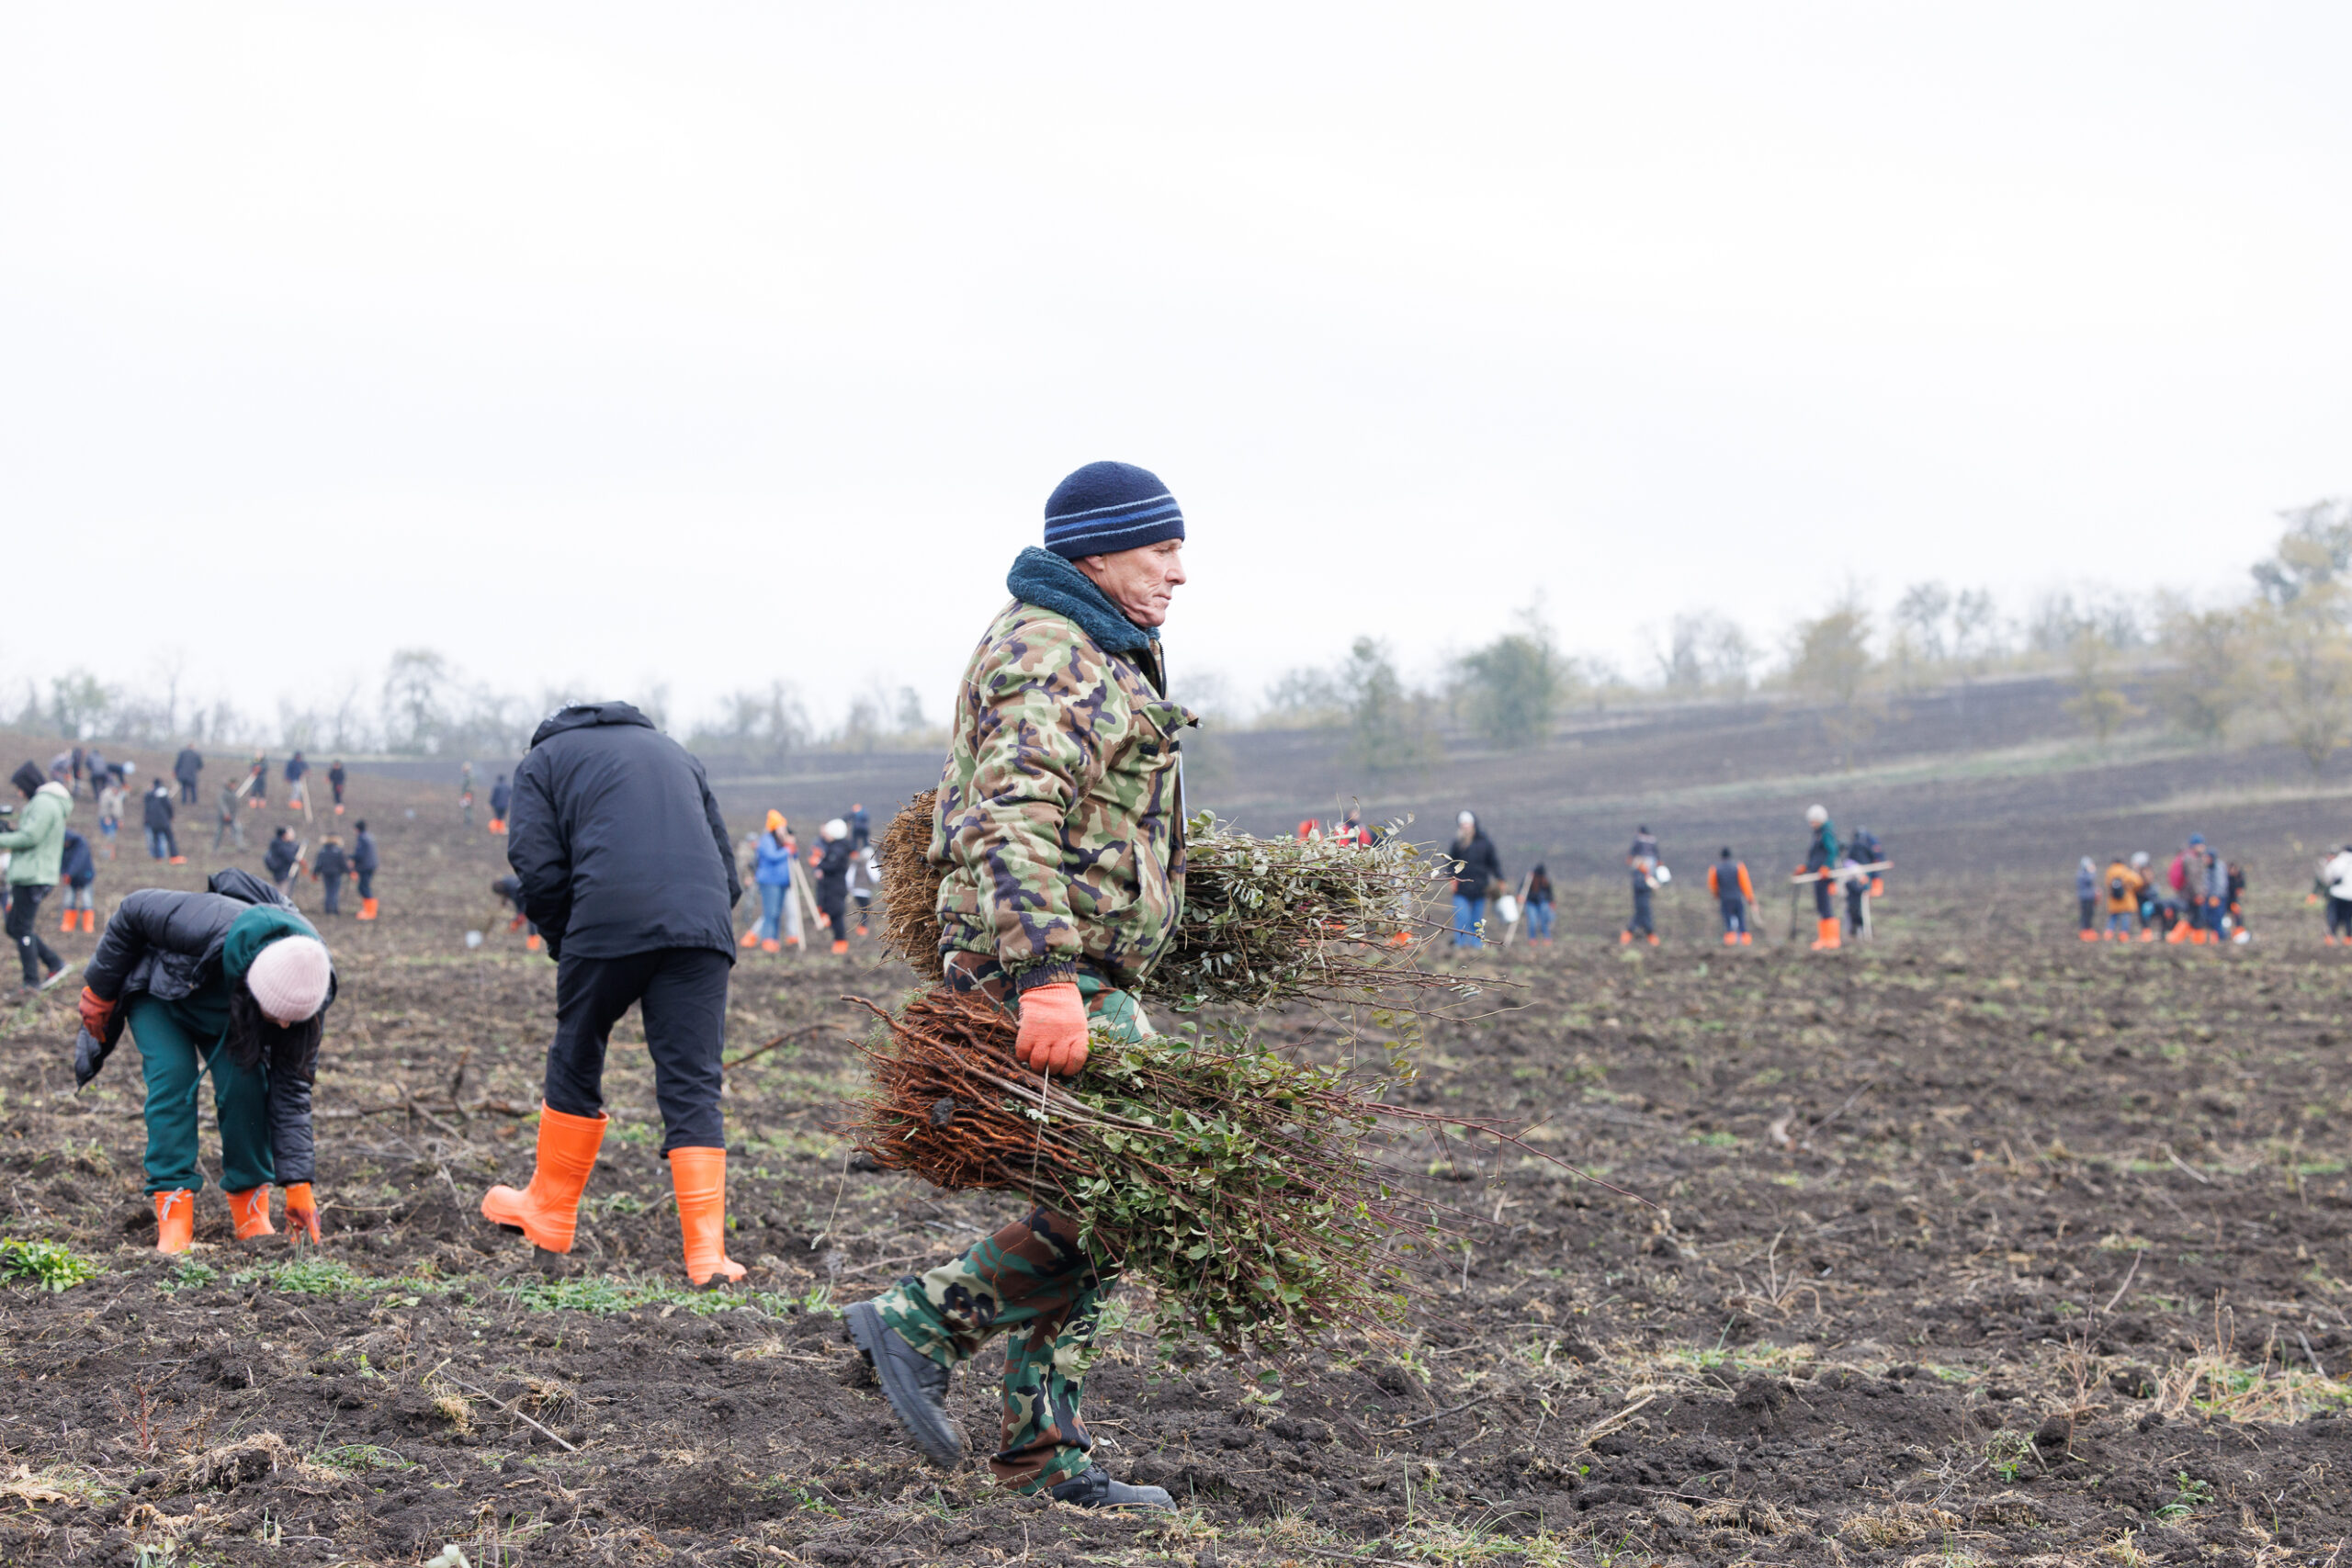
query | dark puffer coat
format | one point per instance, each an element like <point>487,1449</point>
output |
<point>168,945</point>
<point>616,840</point>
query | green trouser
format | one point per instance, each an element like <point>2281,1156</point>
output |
<point>176,1043</point>
<point>1030,1282</point>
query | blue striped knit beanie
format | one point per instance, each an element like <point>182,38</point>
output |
<point>1108,507</point>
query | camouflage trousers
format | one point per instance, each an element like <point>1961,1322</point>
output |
<point>1030,1282</point>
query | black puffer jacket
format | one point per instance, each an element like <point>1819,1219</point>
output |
<point>1476,867</point>
<point>168,945</point>
<point>616,840</point>
<point>155,810</point>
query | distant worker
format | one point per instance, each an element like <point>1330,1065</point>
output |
<point>36,846</point>
<point>1821,866</point>
<point>860,828</point>
<point>2234,893</point>
<point>1538,904</point>
<point>298,782</point>
<point>1643,862</point>
<point>2336,887</point>
<point>1868,851</point>
<point>283,861</point>
<point>2123,886</point>
<point>328,870</point>
<point>1352,832</point>
<point>77,868</point>
<point>511,889</point>
<point>1477,871</point>
<point>364,862</point>
<point>864,881</point>
<point>628,872</point>
<point>232,983</point>
<point>258,782</point>
<point>466,795</point>
<point>155,816</point>
<point>772,875</point>
<point>111,800</point>
<point>501,796</point>
<point>1735,897</point>
<point>335,777</point>
<point>2086,899</point>
<point>185,767</point>
<point>831,861</point>
<point>230,821</point>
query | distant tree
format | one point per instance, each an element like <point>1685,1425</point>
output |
<point>1516,685</point>
<point>1706,651</point>
<point>2304,651</point>
<point>1829,659</point>
<point>763,726</point>
<point>415,700</point>
<point>1919,620</point>
<point>1388,729</point>
<point>2099,701</point>
<point>2206,684</point>
<point>1304,697</point>
<point>80,704</point>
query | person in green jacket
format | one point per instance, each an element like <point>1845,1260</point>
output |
<point>36,848</point>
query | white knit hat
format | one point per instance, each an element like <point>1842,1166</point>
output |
<point>289,978</point>
<point>836,829</point>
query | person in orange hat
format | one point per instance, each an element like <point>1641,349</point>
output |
<point>772,875</point>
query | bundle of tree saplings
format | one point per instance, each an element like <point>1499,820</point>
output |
<point>1244,1186</point>
<point>1264,919</point>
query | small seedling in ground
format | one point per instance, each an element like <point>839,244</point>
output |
<point>2009,1454</point>
<point>2193,1494</point>
<point>51,1264</point>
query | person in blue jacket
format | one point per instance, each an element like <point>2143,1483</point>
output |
<point>77,869</point>
<point>772,873</point>
<point>501,796</point>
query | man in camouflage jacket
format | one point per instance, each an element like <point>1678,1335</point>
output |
<point>1060,829</point>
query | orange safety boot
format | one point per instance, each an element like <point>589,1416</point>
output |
<point>2087,935</point>
<point>250,1211</point>
<point>1624,939</point>
<point>770,945</point>
<point>1653,939</point>
<point>174,1220</point>
<point>1828,938</point>
<point>1731,939</point>
<point>840,944</point>
<point>302,1213</point>
<point>178,859</point>
<point>699,1179</point>
<point>72,919</point>
<point>89,921</point>
<point>548,1209</point>
<point>367,908</point>
<point>2178,934</point>
<point>749,939</point>
<point>1747,938</point>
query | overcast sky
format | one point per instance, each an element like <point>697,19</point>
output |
<point>602,346</point>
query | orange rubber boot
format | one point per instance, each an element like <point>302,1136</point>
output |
<point>89,921</point>
<point>1731,939</point>
<point>1747,939</point>
<point>839,945</point>
<point>302,1213</point>
<point>548,1209</point>
<point>699,1179</point>
<point>1830,938</point>
<point>750,938</point>
<point>250,1211</point>
<point>367,908</point>
<point>72,919</point>
<point>174,1221</point>
<point>771,946</point>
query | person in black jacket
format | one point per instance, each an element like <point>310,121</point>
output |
<point>831,861</point>
<point>155,816</point>
<point>364,862</point>
<point>1477,871</point>
<point>78,868</point>
<point>185,768</point>
<point>329,869</point>
<point>233,982</point>
<point>335,777</point>
<point>628,873</point>
<point>1641,861</point>
<point>283,861</point>
<point>502,798</point>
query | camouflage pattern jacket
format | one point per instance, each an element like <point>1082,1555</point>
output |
<point>1060,822</point>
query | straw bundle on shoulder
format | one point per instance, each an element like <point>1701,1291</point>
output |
<point>1264,919</point>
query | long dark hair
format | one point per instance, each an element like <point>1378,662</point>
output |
<point>255,1037</point>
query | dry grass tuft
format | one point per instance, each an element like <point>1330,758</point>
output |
<point>1896,1524</point>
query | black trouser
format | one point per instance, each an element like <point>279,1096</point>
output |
<point>680,993</point>
<point>334,894</point>
<point>1642,925</point>
<point>833,907</point>
<point>188,792</point>
<point>24,910</point>
<point>367,883</point>
<point>1825,904</point>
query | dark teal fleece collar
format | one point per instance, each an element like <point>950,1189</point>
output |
<point>1043,579</point>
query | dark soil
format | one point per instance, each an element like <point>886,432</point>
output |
<point>1976,1245</point>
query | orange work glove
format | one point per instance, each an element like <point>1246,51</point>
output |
<point>1053,1029</point>
<point>301,1213</point>
<point>97,1013</point>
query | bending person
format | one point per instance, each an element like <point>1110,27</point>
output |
<point>626,871</point>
